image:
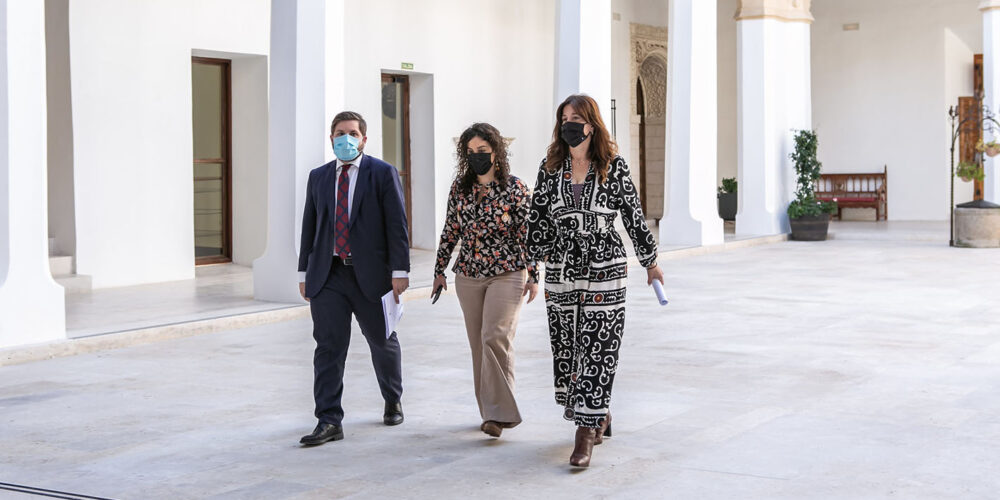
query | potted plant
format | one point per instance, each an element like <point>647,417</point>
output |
<point>991,148</point>
<point>727,199</point>
<point>809,217</point>
<point>967,171</point>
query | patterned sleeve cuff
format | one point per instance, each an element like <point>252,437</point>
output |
<point>533,274</point>
<point>648,262</point>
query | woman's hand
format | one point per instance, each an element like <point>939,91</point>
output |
<point>654,273</point>
<point>531,290</point>
<point>439,281</point>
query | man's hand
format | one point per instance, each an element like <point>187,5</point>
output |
<point>302,290</point>
<point>399,285</point>
<point>531,290</point>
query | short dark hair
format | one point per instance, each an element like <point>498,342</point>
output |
<point>346,116</point>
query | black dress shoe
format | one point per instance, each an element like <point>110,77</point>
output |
<point>393,414</point>
<point>323,433</point>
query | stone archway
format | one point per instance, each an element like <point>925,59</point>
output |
<point>648,114</point>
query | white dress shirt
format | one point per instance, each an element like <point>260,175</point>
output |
<point>353,167</point>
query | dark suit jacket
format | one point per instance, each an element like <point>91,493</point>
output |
<point>379,239</point>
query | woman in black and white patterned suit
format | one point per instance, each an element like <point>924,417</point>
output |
<point>583,185</point>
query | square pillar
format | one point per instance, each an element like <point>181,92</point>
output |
<point>692,126</point>
<point>774,99</point>
<point>298,131</point>
<point>32,304</point>
<point>991,88</point>
<point>583,52</point>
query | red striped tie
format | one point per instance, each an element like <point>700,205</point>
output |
<point>342,245</point>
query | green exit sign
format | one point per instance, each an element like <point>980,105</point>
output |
<point>407,65</point>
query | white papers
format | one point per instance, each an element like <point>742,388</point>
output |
<point>391,312</point>
<point>660,296</point>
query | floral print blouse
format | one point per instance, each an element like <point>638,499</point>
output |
<point>492,223</point>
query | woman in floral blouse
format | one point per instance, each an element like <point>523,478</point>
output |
<point>488,211</point>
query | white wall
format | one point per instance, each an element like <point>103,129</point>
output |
<point>490,61</point>
<point>422,151</point>
<point>131,90</point>
<point>881,94</point>
<point>250,153</point>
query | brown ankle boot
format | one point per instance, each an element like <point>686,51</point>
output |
<point>604,430</point>
<point>584,446</point>
<point>492,428</point>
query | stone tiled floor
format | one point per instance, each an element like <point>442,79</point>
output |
<point>839,369</point>
<point>218,291</point>
<point>227,290</point>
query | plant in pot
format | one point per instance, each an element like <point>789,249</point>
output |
<point>727,199</point>
<point>968,171</point>
<point>991,148</point>
<point>809,217</point>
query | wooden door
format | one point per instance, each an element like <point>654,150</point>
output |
<point>396,133</point>
<point>212,129</point>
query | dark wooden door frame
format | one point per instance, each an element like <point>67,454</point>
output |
<point>978,186</point>
<point>407,164</point>
<point>227,162</point>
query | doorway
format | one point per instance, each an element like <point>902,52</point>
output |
<point>211,98</point>
<point>396,134</point>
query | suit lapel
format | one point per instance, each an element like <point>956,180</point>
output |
<point>363,183</point>
<point>329,193</point>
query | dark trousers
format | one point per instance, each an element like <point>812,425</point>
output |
<point>331,313</point>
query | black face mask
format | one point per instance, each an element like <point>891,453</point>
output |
<point>480,163</point>
<point>572,133</point>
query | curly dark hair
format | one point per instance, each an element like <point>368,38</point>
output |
<point>463,174</point>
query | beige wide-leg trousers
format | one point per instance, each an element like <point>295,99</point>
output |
<point>491,307</point>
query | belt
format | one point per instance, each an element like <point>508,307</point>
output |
<point>585,242</point>
<point>347,261</point>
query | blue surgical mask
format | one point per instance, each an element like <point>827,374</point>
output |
<point>346,147</point>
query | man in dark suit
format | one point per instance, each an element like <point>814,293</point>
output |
<point>355,249</point>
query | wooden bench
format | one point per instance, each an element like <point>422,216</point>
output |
<point>855,191</point>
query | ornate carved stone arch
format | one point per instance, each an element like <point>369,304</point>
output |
<point>653,75</point>
<point>647,41</point>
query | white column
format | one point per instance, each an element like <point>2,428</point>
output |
<point>774,99</point>
<point>692,217</point>
<point>583,52</point>
<point>32,305</point>
<point>991,86</point>
<point>297,137</point>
